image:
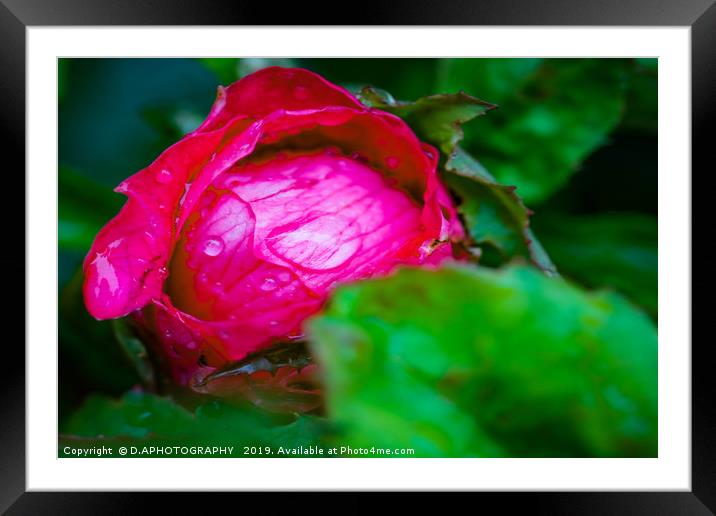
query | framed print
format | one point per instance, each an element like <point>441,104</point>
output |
<point>424,252</point>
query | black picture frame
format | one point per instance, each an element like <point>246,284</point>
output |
<point>17,15</point>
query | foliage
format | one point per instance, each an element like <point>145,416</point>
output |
<point>147,420</point>
<point>474,362</point>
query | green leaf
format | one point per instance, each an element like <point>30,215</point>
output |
<point>135,351</point>
<point>494,214</point>
<point>553,114</point>
<point>84,207</point>
<point>141,419</point>
<point>618,251</point>
<point>136,415</point>
<point>466,361</point>
<point>437,119</point>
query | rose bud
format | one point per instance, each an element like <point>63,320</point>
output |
<point>238,232</point>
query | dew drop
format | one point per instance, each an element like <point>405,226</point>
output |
<point>191,345</point>
<point>301,93</point>
<point>212,246</point>
<point>357,156</point>
<point>392,162</point>
<point>284,276</point>
<point>242,178</point>
<point>268,284</point>
<point>163,176</point>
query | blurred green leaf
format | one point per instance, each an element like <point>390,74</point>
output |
<point>468,361</point>
<point>137,415</point>
<point>144,419</point>
<point>618,251</point>
<point>553,113</point>
<point>84,207</point>
<point>642,97</point>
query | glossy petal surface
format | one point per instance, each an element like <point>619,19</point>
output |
<point>289,186</point>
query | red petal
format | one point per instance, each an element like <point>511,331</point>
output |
<point>274,88</point>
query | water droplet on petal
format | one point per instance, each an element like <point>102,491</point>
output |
<point>301,93</point>
<point>392,162</point>
<point>212,246</point>
<point>268,284</point>
<point>273,324</point>
<point>164,176</point>
<point>284,276</point>
<point>191,345</point>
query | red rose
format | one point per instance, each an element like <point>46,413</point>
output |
<point>239,231</point>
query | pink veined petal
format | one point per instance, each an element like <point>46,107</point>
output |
<point>272,239</point>
<point>260,239</point>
